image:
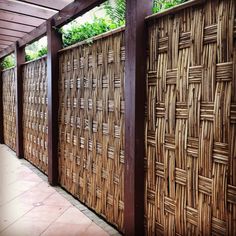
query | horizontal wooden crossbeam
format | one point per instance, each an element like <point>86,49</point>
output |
<point>50,4</point>
<point>26,9</point>
<point>67,14</point>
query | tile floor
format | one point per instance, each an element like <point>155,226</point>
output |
<point>29,206</point>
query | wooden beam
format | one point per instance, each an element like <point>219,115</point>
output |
<point>135,69</point>
<point>26,9</point>
<point>20,59</point>
<point>7,51</point>
<point>1,108</point>
<point>3,42</point>
<point>15,26</point>
<point>54,45</point>
<point>8,38</point>
<point>67,14</point>
<point>73,10</point>
<point>21,19</point>
<point>50,4</point>
<point>33,35</point>
<point>3,46</point>
<point>11,33</point>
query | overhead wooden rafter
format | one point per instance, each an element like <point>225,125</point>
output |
<point>26,9</point>
<point>68,13</point>
<point>18,18</point>
<point>50,4</point>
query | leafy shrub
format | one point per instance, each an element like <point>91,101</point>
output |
<point>116,11</point>
<point>32,55</point>
<point>8,62</point>
<point>79,33</point>
<point>160,5</point>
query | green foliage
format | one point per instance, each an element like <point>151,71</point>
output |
<point>8,62</point>
<point>115,9</point>
<point>160,5</point>
<point>43,51</point>
<point>79,33</point>
<point>32,55</point>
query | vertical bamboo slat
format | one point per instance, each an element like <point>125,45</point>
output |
<point>35,113</point>
<point>190,122</point>
<point>91,124</point>
<point>9,107</point>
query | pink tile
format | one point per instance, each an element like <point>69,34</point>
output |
<point>31,177</point>
<point>23,185</point>
<point>56,200</point>
<point>73,216</point>
<point>34,195</point>
<point>26,227</point>
<point>8,194</point>
<point>61,229</point>
<point>12,212</point>
<point>93,229</point>
<point>45,213</point>
<point>44,187</point>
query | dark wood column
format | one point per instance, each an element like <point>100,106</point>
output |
<point>135,69</point>
<point>54,44</point>
<point>1,107</point>
<point>20,59</point>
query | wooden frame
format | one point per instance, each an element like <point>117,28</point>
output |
<point>54,45</point>
<point>67,14</point>
<point>135,68</point>
<point>20,59</point>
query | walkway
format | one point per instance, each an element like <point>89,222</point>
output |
<point>29,206</point>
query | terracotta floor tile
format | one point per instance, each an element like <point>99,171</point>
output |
<point>26,227</point>
<point>30,206</point>
<point>74,216</point>
<point>44,188</point>
<point>34,195</point>
<point>12,212</point>
<point>62,229</point>
<point>45,213</point>
<point>56,200</point>
<point>93,230</point>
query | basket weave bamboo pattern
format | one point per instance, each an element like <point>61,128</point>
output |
<point>91,125</point>
<point>35,113</point>
<point>9,108</point>
<point>191,122</point>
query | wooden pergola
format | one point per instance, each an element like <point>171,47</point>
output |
<point>23,22</point>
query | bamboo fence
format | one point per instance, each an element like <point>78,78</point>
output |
<point>91,124</point>
<point>9,107</point>
<point>191,121</point>
<point>35,113</point>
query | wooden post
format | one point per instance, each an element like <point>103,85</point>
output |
<point>1,107</point>
<point>54,44</point>
<point>135,74</point>
<point>20,59</point>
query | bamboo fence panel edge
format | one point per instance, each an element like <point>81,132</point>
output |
<point>9,107</point>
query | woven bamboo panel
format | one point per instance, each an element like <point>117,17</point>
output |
<point>35,113</point>
<point>91,125</point>
<point>191,122</point>
<point>9,107</point>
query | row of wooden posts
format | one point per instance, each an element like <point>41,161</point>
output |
<point>135,42</point>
